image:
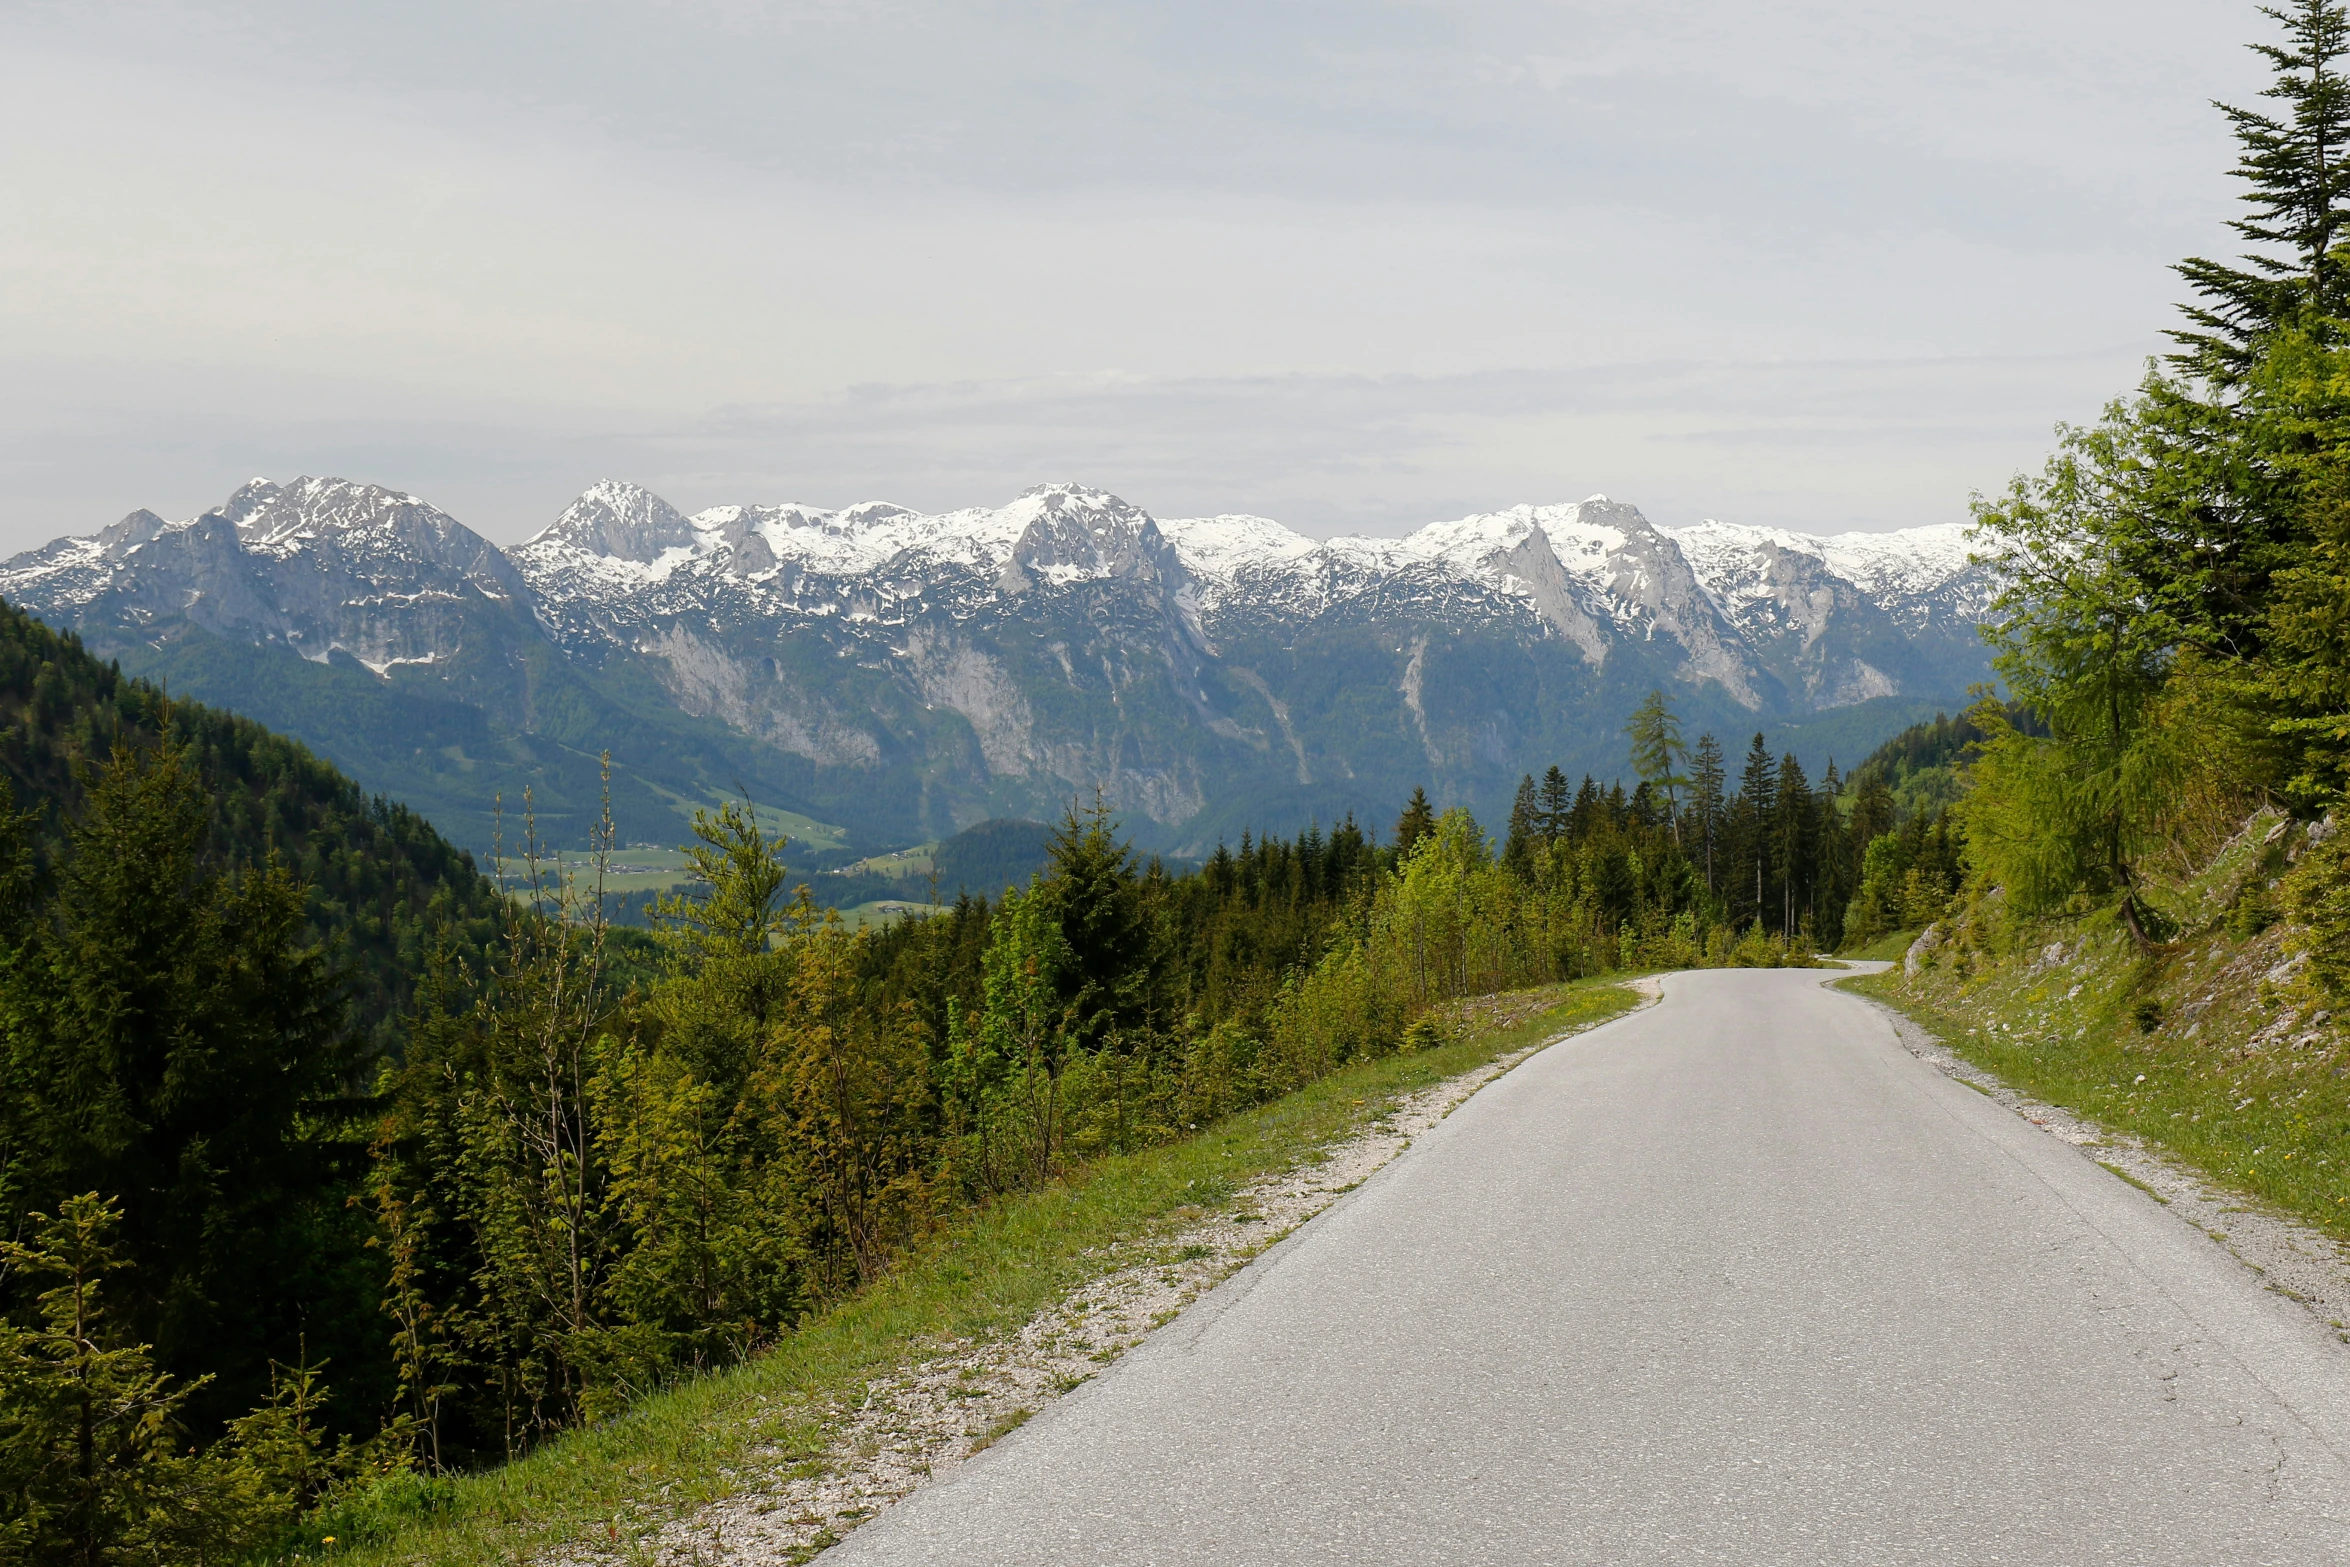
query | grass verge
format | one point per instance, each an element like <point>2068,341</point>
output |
<point>604,1489</point>
<point>2180,1051</point>
<point>1887,948</point>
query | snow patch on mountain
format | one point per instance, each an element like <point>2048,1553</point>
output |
<point>1731,559</point>
<point>1218,549</point>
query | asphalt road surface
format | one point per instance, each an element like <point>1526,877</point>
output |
<point>1733,1279</point>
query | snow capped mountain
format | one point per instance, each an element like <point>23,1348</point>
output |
<point>616,521</point>
<point>1900,572</point>
<point>1594,572</point>
<point>318,565</point>
<point>932,668</point>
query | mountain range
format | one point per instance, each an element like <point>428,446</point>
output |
<point>880,675</point>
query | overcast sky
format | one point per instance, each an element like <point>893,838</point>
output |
<point>1354,266</point>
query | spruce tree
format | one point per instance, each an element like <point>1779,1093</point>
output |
<point>1588,811</point>
<point>1753,811</point>
<point>1793,841</point>
<point>189,1044</point>
<point>1557,800</point>
<point>1872,810</point>
<point>1417,822</point>
<point>1525,829</point>
<point>2297,165</point>
<point>1706,778</point>
<point>92,1465</point>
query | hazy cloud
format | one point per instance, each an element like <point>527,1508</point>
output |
<point>1354,266</point>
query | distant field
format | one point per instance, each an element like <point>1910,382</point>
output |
<point>981,860</point>
<point>635,876</point>
<point>915,862</point>
<point>881,911</point>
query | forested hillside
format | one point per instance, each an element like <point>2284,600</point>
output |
<point>209,941</point>
<point>380,884</point>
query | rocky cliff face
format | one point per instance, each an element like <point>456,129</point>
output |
<point>907,673</point>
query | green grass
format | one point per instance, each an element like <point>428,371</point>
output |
<point>2115,1169</point>
<point>1887,948</point>
<point>981,1277</point>
<point>634,874</point>
<point>804,831</point>
<point>882,910</point>
<point>906,864</point>
<point>2164,1048</point>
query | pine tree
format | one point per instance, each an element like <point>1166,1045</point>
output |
<point>188,1045</point>
<point>94,1463</point>
<point>1585,816</point>
<point>1525,830</point>
<point>1751,871</point>
<point>1793,842</point>
<point>1557,800</point>
<point>1706,778</point>
<point>2297,164</point>
<point>1418,820</point>
<point>1092,890</point>
<point>91,1425</point>
<point>1872,812</point>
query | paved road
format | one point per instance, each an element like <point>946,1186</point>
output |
<point>1734,1279</point>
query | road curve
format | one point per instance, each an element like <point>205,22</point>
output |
<point>1733,1279</point>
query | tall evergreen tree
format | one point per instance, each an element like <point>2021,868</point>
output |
<point>1872,811</point>
<point>1589,809</point>
<point>1794,834</point>
<point>1525,830</point>
<point>181,1052</point>
<point>1092,890</point>
<point>1706,780</point>
<point>1417,822</point>
<point>2297,165</point>
<point>1756,870</point>
<point>1657,750</point>
<point>1558,798</point>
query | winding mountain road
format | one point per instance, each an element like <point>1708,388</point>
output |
<point>1732,1279</point>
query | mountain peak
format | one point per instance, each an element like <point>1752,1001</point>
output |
<point>270,515</point>
<point>1075,530</point>
<point>617,519</point>
<point>1070,489</point>
<point>247,500</point>
<point>140,527</point>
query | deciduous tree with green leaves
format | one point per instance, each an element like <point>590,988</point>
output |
<point>2091,651</point>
